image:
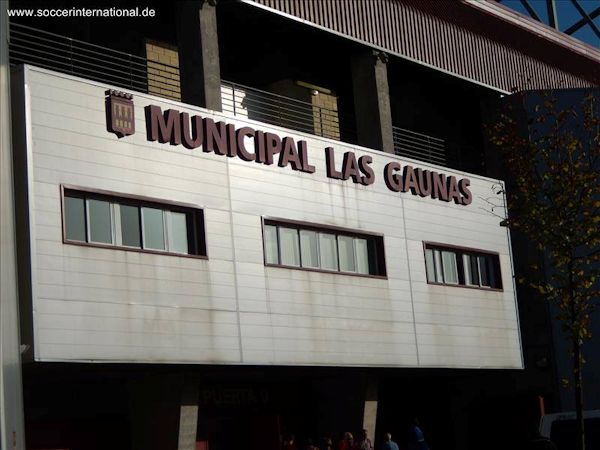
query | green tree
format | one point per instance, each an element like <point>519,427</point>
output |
<point>553,162</point>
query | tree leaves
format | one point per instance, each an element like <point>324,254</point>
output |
<point>554,200</point>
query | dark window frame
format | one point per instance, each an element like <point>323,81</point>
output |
<point>460,251</point>
<point>194,219</point>
<point>378,259</point>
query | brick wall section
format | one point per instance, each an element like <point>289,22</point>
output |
<point>163,70</point>
<point>325,112</point>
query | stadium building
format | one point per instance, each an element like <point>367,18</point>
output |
<point>240,220</point>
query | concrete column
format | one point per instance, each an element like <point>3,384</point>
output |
<point>460,419</point>
<point>372,101</point>
<point>188,416</point>
<point>154,405</point>
<point>12,435</point>
<point>370,410</point>
<point>198,44</point>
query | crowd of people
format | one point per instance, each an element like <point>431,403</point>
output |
<point>412,439</point>
<point>363,442</point>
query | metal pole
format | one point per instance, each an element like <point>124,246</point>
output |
<point>577,25</point>
<point>552,17</point>
<point>530,10</point>
<point>586,17</point>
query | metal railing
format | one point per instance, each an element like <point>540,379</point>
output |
<point>419,146</point>
<point>268,107</point>
<point>52,51</point>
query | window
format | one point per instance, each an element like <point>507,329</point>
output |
<point>328,251</point>
<point>462,267</point>
<point>319,248</point>
<point>289,249</point>
<point>309,248</point>
<point>132,224</point>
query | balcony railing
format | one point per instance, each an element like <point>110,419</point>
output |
<point>419,146</point>
<point>52,51</point>
<point>268,107</point>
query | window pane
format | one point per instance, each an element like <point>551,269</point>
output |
<point>271,244</point>
<point>309,247</point>
<point>492,267</point>
<point>430,265</point>
<point>484,270</point>
<point>362,255</point>
<point>450,270</point>
<point>130,226</point>
<point>99,221</point>
<point>474,270</point>
<point>290,249</point>
<point>154,228</point>
<point>328,251</point>
<point>471,270</point>
<point>439,277</point>
<point>346,249</point>
<point>467,268</point>
<point>75,218</point>
<point>178,232</point>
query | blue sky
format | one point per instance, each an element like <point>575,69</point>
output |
<point>567,16</point>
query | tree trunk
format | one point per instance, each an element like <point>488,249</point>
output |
<point>578,394</point>
<point>580,440</point>
<point>576,363</point>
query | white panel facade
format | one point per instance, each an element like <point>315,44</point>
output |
<point>114,305</point>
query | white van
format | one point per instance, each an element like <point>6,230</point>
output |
<point>561,429</point>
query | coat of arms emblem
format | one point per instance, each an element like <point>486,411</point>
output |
<point>120,118</point>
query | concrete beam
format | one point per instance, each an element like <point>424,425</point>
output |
<point>372,101</point>
<point>198,44</point>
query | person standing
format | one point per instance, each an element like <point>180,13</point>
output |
<point>364,443</point>
<point>289,443</point>
<point>327,442</point>
<point>310,445</point>
<point>389,444</point>
<point>417,438</point>
<point>347,442</point>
